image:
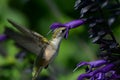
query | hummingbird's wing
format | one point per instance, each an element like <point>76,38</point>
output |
<point>27,39</point>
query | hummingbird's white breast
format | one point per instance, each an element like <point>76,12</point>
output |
<point>52,49</point>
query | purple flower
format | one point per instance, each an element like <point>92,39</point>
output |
<point>3,37</point>
<point>100,70</point>
<point>92,64</point>
<point>69,25</point>
<point>21,55</point>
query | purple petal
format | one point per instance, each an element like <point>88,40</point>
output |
<point>97,63</point>
<point>72,24</point>
<point>69,25</point>
<point>104,69</point>
<point>3,37</point>
<point>75,23</point>
<point>92,64</point>
<point>115,76</point>
<point>100,76</point>
<point>81,64</point>
<point>56,25</point>
<point>107,68</point>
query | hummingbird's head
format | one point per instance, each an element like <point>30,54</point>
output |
<point>59,32</point>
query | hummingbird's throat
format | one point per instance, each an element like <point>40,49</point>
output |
<point>56,42</point>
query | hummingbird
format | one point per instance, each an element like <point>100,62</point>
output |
<point>46,50</point>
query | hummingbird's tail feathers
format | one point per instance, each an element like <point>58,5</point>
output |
<point>36,72</point>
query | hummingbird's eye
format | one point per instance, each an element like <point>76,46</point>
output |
<point>63,30</point>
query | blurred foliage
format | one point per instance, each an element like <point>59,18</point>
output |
<point>38,15</point>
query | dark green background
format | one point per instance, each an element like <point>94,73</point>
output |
<point>38,15</point>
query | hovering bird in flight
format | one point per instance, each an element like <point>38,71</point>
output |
<point>46,50</point>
